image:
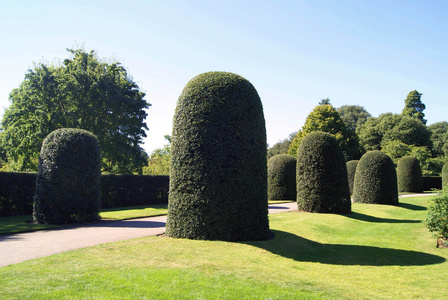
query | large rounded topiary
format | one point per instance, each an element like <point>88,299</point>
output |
<point>218,182</point>
<point>282,177</point>
<point>68,181</point>
<point>375,179</point>
<point>351,170</point>
<point>409,175</point>
<point>322,184</point>
<point>444,175</point>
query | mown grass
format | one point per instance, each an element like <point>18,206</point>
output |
<point>377,252</point>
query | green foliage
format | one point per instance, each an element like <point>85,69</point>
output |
<point>85,93</point>
<point>68,182</point>
<point>282,146</point>
<point>409,175</point>
<point>322,183</point>
<point>439,138</point>
<point>414,107</point>
<point>325,118</point>
<point>16,193</point>
<point>437,217</point>
<point>353,115</point>
<point>351,171</point>
<point>218,182</point>
<point>282,177</point>
<point>376,132</point>
<point>160,160</point>
<point>375,179</point>
<point>445,175</point>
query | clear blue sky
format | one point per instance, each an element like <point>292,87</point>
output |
<point>368,53</point>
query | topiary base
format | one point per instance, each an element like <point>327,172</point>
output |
<point>442,243</point>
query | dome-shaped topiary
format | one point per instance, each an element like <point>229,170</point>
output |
<point>444,175</point>
<point>218,181</point>
<point>375,179</point>
<point>282,177</point>
<point>322,184</point>
<point>409,175</point>
<point>351,170</point>
<point>68,181</point>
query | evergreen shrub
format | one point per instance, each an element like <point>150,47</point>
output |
<point>444,175</point>
<point>436,219</point>
<point>322,183</point>
<point>218,180</point>
<point>282,177</point>
<point>351,171</point>
<point>68,179</point>
<point>409,175</point>
<point>375,179</point>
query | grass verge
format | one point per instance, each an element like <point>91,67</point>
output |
<point>377,252</point>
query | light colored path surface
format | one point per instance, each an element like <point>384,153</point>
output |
<point>20,247</point>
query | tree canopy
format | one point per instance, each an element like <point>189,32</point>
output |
<point>414,107</point>
<point>439,138</point>
<point>353,115</point>
<point>82,92</point>
<point>325,118</point>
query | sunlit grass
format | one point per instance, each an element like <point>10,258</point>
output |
<point>378,251</point>
<point>123,213</point>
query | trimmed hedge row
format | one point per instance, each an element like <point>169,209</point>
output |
<point>17,191</point>
<point>432,182</point>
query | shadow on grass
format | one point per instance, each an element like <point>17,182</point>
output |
<point>367,218</point>
<point>412,206</point>
<point>300,249</point>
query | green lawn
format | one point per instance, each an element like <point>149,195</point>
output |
<point>376,252</point>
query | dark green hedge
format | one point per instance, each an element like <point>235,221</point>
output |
<point>218,182</point>
<point>282,177</point>
<point>351,171</point>
<point>409,175</point>
<point>445,175</point>
<point>322,183</point>
<point>376,179</point>
<point>17,191</point>
<point>68,181</point>
<point>432,183</point>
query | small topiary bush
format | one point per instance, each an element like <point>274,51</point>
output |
<point>437,217</point>
<point>444,175</point>
<point>351,171</point>
<point>409,175</point>
<point>218,181</point>
<point>375,179</point>
<point>322,184</point>
<point>282,177</point>
<point>68,179</point>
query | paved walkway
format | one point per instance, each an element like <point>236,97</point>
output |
<point>20,247</point>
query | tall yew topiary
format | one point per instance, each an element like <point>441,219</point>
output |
<point>444,175</point>
<point>351,170</point>
<point>409,175</point>
<point>375,179</point>
<point>322,184</point>
<point>68,181</point>
<point>218,181</point>
<point>282,177</point>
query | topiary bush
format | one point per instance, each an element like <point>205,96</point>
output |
<point>444,175</point>
<point>375,179</point>
<point>68,179</point>
<point>409,175</point>
<point>322,184</point>
<point>218,181</point>
<point>282,177</point>
<point>351,171</point>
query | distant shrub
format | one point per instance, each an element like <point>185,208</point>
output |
<point>322,183</point>
<point>409,175</point>
<point>282,177</point>
<point>218,180</point>
<point>375,179</point>
<point>351,170</point>
<point>436,219</point>
<point>68,179</point>
<point>445,175</point>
